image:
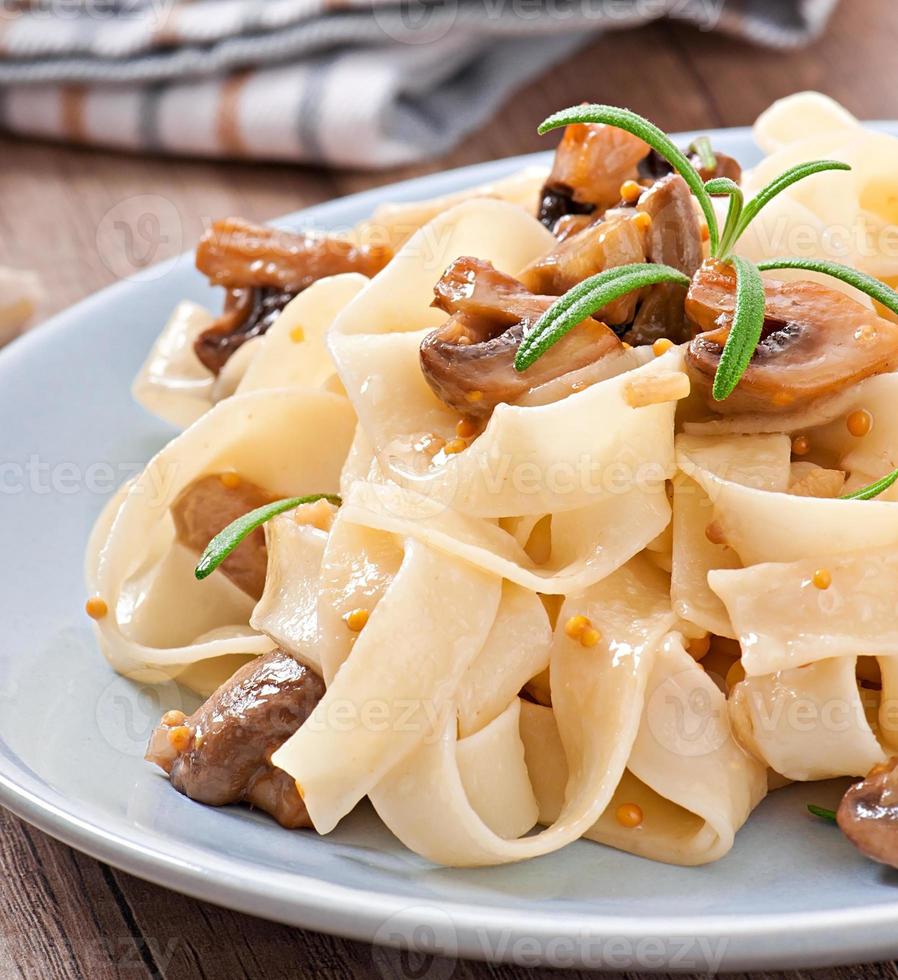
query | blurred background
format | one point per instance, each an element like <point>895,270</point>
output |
<point>129,125</point>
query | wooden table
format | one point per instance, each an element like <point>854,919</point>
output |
<point>66,915</point>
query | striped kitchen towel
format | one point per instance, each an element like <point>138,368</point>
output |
<point>362,83</point>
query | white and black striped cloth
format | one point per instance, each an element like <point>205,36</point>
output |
<point>363,83</point>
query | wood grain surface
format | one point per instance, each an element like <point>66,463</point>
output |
<point>68,213</point>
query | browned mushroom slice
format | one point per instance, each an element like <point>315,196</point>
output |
<point>868,814</point>
<point>264,268</point>
<point>591,163</point>
<point>570,224</point>
<point>237,254</point>
<point>222,753</point>
<point>675,239</point>
<point>247,313</point>
<point>469,362</point>
<point>473,287</point>
<point>208,506</point>
<point>816,342</point>
<point>619,239</point>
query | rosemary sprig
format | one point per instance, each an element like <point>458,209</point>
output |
<point>649,133</point>
<point>579,303</point>
<point>782,183</point>
<point>822,812</point>
<point>748,322</point>
<point>702,148</point>
<point>874,489</point>
<point>724,187</point>
<point>237,531</point>
<point>874,288</point>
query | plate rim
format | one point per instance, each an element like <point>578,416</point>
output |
<point>800,939</point>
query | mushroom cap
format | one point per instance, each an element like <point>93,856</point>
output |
<point>868,814</point>
<point>469,361</point>
<point>815,343</point>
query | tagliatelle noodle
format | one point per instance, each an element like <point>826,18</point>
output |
<point>388,696</point>
<point>287,612</point>
<point>172,383</point>
<point>586,545</point>
<point>809,722</point>
<point>800,645</point>
<point>762,525</point>
<point>761,461</point>
<point>598,696</point>
<point>287,441</point>
<point>517,649</point>
<point>798,117</point>
<point>784,620</point>
<point>293,351</point>
<point>692,781</point>
<point>530,459</point>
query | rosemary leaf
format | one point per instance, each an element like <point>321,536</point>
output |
<point>230,537</point>
<point>748,322</point>
<point>649,133</point>
<point>877,290</point>
<point>874,489</point>
<point>822,812</point>
<point>705,152</point>
<point>725,187</point>
<point>584,299</point>
<point>776,187</point>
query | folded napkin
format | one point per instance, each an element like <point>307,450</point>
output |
<point>360,83</point>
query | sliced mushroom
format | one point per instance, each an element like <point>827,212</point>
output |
<point>591,163</point>
<point>476,289</point>
<point>816,342</point>
<point>675,239</point>
<point>237,254</point>
<point>619,239</point>
<point>247,313</point>
<point>570,224</point>
<point>469,362</point>
<point>868,814</point>
<point>208,506</point>
<point>263,269</point>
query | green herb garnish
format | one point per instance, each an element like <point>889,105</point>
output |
<point>822,812</point>
<point>705,152</point>
<point>875,289</point>
<point>748,322</point>
<point>579,303</point>
<point>228,539</point>
<point>591,295</point>
<point>874,489</point>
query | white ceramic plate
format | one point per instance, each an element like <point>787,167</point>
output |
<point>792,893</point>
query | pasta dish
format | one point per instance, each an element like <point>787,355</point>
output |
<point>560,508</point>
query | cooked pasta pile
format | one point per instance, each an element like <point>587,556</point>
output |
<point>591,612</point>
